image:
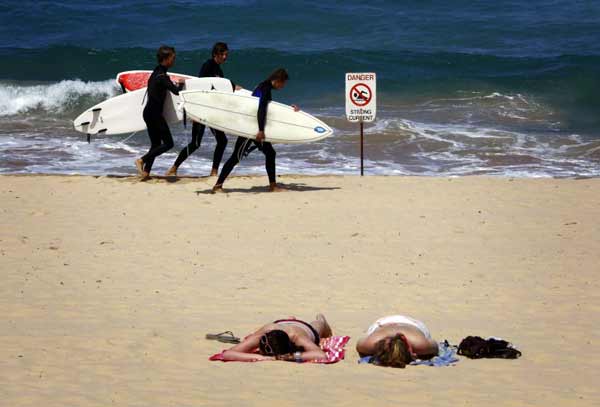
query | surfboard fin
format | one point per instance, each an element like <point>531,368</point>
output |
<point>89,138</point>
<point>184,119</point>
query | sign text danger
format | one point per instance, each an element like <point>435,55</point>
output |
<point>361,100</point>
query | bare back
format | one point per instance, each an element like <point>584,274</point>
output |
<point>421,345</point>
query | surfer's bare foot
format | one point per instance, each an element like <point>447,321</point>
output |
<point>145,176</point>
<point>172,172</point>
<point>213,173</point>
<point>139,164</point>
<point>275,188</point>
<point>217,189</point>
<point>326,332</point>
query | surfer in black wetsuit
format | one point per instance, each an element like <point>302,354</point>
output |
<point>158,130</point>
<point>211,68</point>
<point>243,146</point>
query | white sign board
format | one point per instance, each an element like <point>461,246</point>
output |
<point>361,100</point>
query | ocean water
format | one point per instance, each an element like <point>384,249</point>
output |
<point>464,87</point>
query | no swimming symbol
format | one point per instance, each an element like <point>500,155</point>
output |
<point>360,94</point>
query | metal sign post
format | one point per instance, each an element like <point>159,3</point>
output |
<point>362,155</point>
<point>361,103</point>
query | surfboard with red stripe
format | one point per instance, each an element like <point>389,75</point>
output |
<point>134,80</point>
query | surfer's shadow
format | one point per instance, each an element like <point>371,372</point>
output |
<point>290,187</point>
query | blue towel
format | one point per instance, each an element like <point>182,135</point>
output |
<point>446,357</point>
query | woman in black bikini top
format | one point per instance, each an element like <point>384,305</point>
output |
<point>287,339</point>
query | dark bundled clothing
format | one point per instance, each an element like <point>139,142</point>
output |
<point>158,129</point>
<point>475,347</point>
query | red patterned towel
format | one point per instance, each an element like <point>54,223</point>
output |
<point>332,346</point>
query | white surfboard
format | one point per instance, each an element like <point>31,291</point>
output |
<point>123,114</point>
<point>235,113</point>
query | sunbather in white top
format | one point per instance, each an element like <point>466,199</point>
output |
<point>396,340</point>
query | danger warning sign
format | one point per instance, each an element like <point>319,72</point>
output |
<point>360,97</point>
<point>360,94</point>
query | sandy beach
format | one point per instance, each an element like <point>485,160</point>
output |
<point>109,286</point>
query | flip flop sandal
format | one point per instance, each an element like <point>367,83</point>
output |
<point>225,337</point>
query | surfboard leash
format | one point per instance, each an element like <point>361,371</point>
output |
<point>128,137</point>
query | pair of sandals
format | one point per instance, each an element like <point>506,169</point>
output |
<point>225,337</point>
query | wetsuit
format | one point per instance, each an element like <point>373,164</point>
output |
<point>210,69</point>
<point>243,145</point>
<point>158,130</point>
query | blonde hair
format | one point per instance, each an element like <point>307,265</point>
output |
<point>392,352</point>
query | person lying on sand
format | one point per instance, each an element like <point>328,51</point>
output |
<point>287,339</point>
<point>397,340</point>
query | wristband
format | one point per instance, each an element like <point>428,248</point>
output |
<point>298,357</point>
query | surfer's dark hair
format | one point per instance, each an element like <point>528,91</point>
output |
<point>279,74</point>
<point>219,48</point>
<point>164,52</point>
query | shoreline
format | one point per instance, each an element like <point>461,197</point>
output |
<point>300,175</point>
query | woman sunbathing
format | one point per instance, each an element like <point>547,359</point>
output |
<point>288,339</point>
<point>397,340</point>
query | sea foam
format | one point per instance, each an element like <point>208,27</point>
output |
<point>55,97</point>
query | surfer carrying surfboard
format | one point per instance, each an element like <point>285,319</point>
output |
<point>243,145</point>
<point>211,68</point>
<point>158,129</point>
